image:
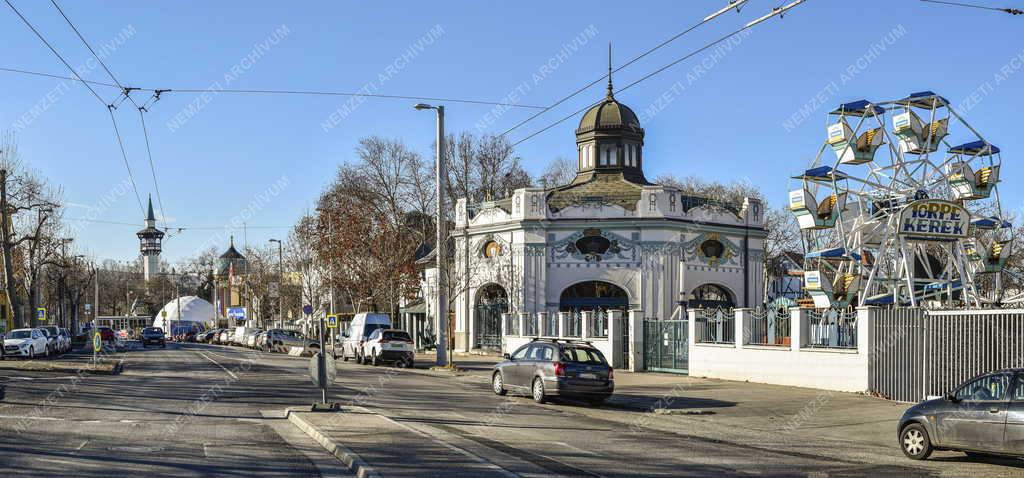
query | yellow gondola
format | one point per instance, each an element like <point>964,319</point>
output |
<point>969,184</point>
<point>852,149</point>
<point>840,293</point>
<point>917,137</point>
<point>812,215</point>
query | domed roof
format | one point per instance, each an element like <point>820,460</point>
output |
<point>193,309</point>
<point>231,261</point>
<point>609,114</point>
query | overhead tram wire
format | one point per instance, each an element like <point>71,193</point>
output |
<point>277,92</point>
<point>182,228</point>
<point>127,93</point>
<point>1011,11</point>
<point>736,4</point>
<point>124,155</point>
<point>776,11</point>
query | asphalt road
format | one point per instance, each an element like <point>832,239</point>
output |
<point>196,410</point>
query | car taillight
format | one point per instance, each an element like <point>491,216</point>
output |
<point>559,369</point>
<point>611,374</point>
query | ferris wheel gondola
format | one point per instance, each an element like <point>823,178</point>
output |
<point>901,222</point>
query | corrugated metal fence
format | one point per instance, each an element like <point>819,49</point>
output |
<point>916,353</point>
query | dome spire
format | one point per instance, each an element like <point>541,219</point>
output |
<point>610,95</point>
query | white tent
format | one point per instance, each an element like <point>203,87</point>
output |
<point>193,309</point>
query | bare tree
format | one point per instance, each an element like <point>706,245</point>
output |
<point>558,172</point>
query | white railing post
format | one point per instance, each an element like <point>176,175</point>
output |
<point>563,324</point>
<point>615,336</point>
<point>740,326</point>
<point>542,324</point>
<point>798,324</point>
<point>523,316</point>
<point>636,340</point>
<point>586,320</point>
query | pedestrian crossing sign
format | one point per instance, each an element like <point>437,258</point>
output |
<point>332,321</point>
<point>41,313</point>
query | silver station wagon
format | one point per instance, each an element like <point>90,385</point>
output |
<point>984,416</point>
<point>549,367</point>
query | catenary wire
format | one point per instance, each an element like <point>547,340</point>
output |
<point>127,94</point>
<point>634,83</point>
<point>117,134</point>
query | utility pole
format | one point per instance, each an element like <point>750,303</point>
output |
<point>440,251</point>
<point>280,283</point>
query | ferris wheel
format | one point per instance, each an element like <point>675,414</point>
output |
<point>900,215</point>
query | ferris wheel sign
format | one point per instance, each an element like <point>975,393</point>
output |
<point>934,220</point>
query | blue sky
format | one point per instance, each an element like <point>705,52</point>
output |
<point>753,112</point>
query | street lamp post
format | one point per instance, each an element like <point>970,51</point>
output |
<point>280,283</point>
<point>440,301</point>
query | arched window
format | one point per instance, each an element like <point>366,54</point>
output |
<point>711,296</point>
<point>593,295</point>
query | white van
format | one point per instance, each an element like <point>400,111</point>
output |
<point>362,326</point>
<point>240,334</point>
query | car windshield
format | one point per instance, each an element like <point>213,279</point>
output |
<point>21,334</point>
<point>582,355</point>
<point>51,330</point>
<point>152,330</point>
<point>397,335</point>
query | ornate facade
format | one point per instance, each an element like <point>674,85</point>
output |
<point>608,240</point>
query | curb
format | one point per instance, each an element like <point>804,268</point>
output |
<point>354,463</point>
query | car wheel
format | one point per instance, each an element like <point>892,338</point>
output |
<point>31,352</point>
<point>915,443</point>
<point>497,384</point>
<point>374,359</point>
<point>538,390</point>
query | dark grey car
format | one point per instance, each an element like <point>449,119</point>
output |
<point>983,416</point>
<point>546,367</point>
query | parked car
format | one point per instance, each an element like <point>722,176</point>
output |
<point>250,337</point>
<point>106,334</point>
<point>362,325</point>
<point>547,367</point>
<point>983,416</point>
<point>282,340</point>
<point>225,336</point>
<point>66,334</point>
<point>389,346</point>
<point>26,343</point>
<point>58,344</point>
<point>154,336</point>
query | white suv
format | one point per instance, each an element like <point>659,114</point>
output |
<point>389,345</point>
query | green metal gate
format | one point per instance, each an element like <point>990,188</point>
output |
<point>666,345</point>
<point>488,326</point>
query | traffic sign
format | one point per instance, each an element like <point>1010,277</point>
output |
<point>237,313</point>
<point>97,342</point>
<point>307,309</point>
<point>322,377</point>
<point>163,314</point>
<point>332,321</point>
<point>41,313</point>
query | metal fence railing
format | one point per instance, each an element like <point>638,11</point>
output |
<point>767,327</point>
<point>531,326</point>
<point>714,326</point>
<point>598,326</point>
<point>574,324</point>
<point>918,353</point>
<point>831,328</point>
<point>512,324</point>
<point>549,325</point>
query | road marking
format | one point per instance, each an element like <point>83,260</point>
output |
<point>22,417</point>
<point>229,358</point>
<point>232,374</point>
<point>82,445</point>
<point>577,449</point>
